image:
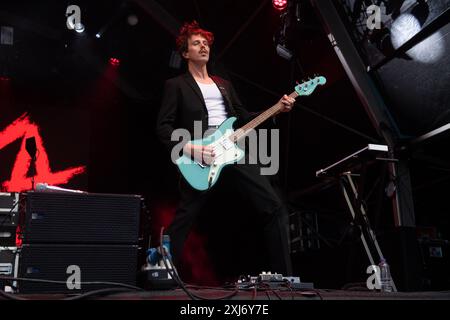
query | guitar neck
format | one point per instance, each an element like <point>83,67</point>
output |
<point>244,130</point>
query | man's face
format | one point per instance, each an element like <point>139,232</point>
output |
<point>198,49</point>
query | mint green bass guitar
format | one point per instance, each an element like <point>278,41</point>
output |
<point>224,141</point>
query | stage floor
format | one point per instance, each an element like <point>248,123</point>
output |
<point>247,294</point>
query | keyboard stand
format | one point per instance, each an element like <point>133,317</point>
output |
<point>352,194</point>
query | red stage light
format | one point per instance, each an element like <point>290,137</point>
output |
<point>279,4</point>
<point>114,62</point>
<point>19,237</point>
<point>4,78</point>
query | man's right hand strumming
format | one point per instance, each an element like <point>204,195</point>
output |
<point>201,154</point>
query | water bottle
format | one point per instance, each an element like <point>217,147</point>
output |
<point>166,244</point>
<point>154,255</point>
<point>167,256</point>
<point>385,276</point>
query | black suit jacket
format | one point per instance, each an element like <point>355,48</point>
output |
<point>183,103</point>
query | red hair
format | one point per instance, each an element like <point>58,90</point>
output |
<point>189,29</point>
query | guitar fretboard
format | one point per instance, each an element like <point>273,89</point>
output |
<point>244,130</point>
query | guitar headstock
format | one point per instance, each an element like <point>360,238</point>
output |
<point>307,87</point>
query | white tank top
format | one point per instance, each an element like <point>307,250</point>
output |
<point>214,103</point>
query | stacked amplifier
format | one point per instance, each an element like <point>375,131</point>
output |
<point>9,218</point>
<point>79,241</point>
<point>9,221</point>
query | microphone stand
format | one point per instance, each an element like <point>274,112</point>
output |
<point>32,171</point>
<point>30,146</point>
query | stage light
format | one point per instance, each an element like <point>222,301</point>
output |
<point>284,52</point>
<point>114,62</point>
<point>132,20</point>
<point>117,17</point>
<point>19,236</point>
<point>6,54</point>
<point>407,26</point>
<point>73,22</point>
<point>7,35</point>
<point>279,4</point>
<point>282,36</point>
<point>79,27</point>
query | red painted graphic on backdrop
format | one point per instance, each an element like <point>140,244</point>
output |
<point>23,128</point>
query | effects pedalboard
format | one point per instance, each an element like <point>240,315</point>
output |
<point>274,280</point>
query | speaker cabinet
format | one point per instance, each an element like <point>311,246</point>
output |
<point>81,218</point>
<point>71,238</point>
<point>69,264</point>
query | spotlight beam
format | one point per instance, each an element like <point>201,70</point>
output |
<point>98,64</point>
<point>116,17</point>
<point>428,30</point>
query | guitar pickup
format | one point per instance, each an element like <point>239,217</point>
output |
<point>226,144</point>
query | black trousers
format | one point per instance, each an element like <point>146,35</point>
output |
<point>246,179</point>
